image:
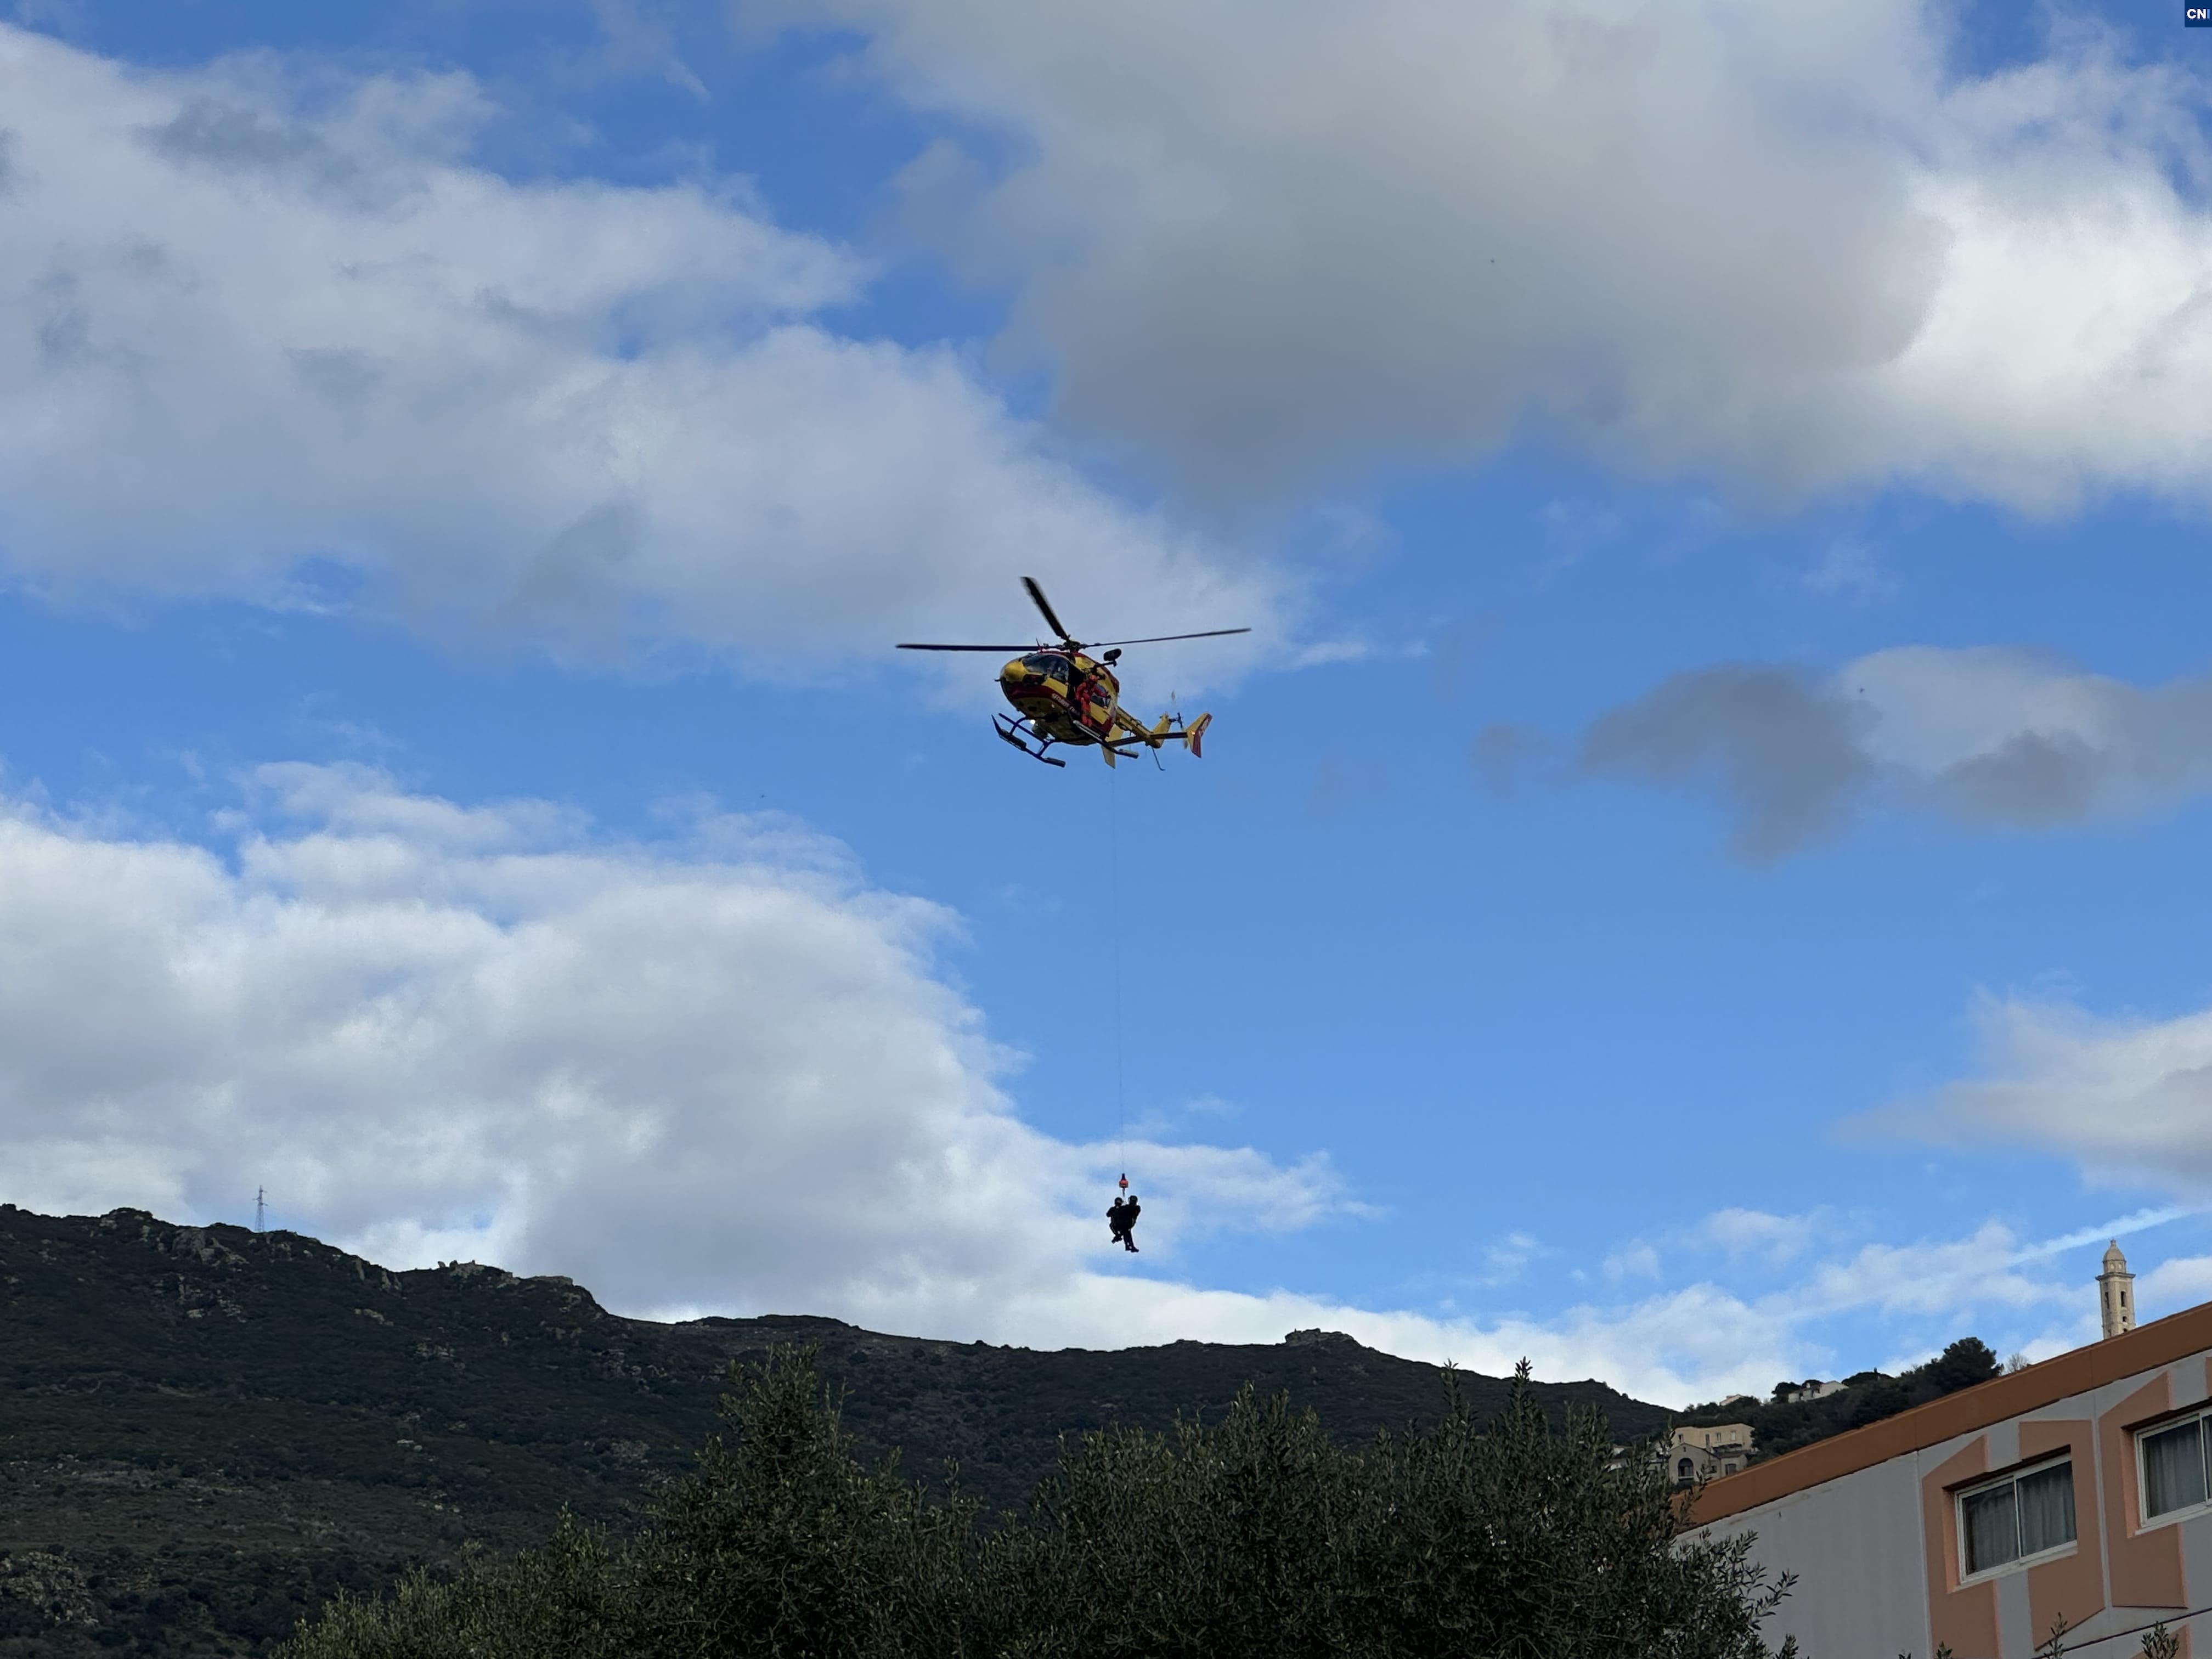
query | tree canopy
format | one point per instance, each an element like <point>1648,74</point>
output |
<point>1779,1425</point>
<point>1253,1534</point>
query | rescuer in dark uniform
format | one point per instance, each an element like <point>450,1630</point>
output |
<point>1126,1228</point>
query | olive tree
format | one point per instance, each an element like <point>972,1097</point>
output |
<point>1253,1533</point>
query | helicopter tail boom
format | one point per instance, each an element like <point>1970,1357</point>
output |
<point>1169,728</point>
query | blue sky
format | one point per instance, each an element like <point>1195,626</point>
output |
<point>1695,876</point>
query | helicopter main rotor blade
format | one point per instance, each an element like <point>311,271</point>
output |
<point>1036,593</point>
<point>1157,639</point>
<point>1001,650</point>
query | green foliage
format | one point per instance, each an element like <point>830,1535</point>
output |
<point>1965,1363</point>
<point>1242,1536</point>
<point>783,1544</point>
<point>1868,1397</point>
<point>210,1431</point>
<point>1877,1398</point>
<point>1255,1535</point>
<point>560,1599</point>
<point>1512,1539</point>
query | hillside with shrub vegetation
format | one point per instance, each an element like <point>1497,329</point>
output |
<point>210,1431</point>
<point>1779,1426</point>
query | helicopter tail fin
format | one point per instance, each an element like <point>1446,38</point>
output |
<point>1196,730</point>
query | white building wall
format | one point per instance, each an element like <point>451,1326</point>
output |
<point>1839,1538</point>
<point>1859,1548</point>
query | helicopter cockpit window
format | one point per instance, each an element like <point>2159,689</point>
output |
<point>1051,667</point>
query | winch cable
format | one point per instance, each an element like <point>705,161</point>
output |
<point>1114,947</point>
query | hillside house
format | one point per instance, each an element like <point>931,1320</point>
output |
<point>1791,1393</point>
<point>1707,1452</point>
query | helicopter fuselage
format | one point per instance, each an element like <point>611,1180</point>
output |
<point>1061,695</point>
<point>1066,696</point>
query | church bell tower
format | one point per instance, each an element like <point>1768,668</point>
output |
<point>2116,1292</point>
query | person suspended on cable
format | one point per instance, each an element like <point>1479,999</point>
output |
<point>1117,1222</point>
<point>1129,1223</point>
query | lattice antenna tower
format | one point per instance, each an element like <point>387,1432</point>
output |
<point>260,1207</point>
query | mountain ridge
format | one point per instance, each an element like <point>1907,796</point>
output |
<point>206,1430</point>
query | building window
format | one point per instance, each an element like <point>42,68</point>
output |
<point>1685,1469</point>
<point>2172,1467</point>
<point>2024,1514</point>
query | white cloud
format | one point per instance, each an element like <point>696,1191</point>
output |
<point>715,1072</point>
<point>1328,654</point>
<point>1261,238</point>
<point>1505,1259</point>
<point>1638,1261</point>
<point>1934,1277</point>
<point>718,1070</point>
<point>1745,1240</point>
<point>1853,573</point>
<point>2008,735</point>
<point>1846,1303</point>
<point>2129,1097</point>
<point>261,331</point>
<point>1776,1239</point>
<point>2177,1283</point>
<point>1986,734</point>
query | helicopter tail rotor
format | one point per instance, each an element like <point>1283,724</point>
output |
<point>1170,728</point>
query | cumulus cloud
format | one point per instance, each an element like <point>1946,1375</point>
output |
<point>1795,245</point>
<point>1985,735</point>
<point>720,1071</point>
<point>2016,736</point>
<point>2128,1097</point>
<point>262,331</point>
<point>717,1072</point>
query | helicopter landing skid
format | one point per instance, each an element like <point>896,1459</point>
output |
<point>1018,732</point>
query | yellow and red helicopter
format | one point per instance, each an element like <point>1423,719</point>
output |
<point>1062,695</point>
